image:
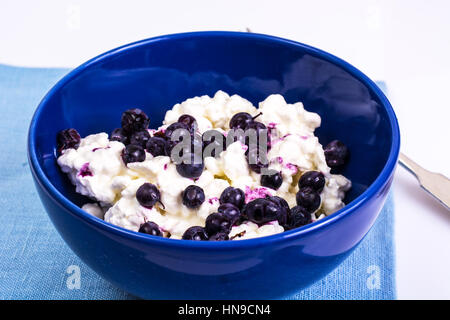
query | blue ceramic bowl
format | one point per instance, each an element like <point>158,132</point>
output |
<point>155,74</point>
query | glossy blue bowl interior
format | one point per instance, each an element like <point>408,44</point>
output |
<point>155,74</point>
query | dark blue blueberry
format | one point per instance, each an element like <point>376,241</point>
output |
<point>260,130</point>
<point>190,170</point>
<point>241,120</point>
<point>189,121</point>
<point>173,127</point>
<point>217,141</point>
<point>172,141</point>
<point>230,211</point>
<point>272,179</point>
<point>221,236</point>
<point>197,146</point>
<point>157,146</point>
<point>299,217</point>
<point>148,195</point>
<point>150,228</point>
<point>232,137</point>
<point>119,135</point>
<point>259,127</point>
<point>193,196</point>
<point>336,154</point>
<point>262,210</point>
<point>308,198</point>
<point>134,120</point>
<point>312,179</point>
<point>284,212</point>
<point>189,163</point>
<point>169,146</point>
<point>67,139</point>
<point>217,222</point>
<point>257,159</point>
<point>133,153</point>
<point>140,138</point>
<point>234,196</point>
<point>195,233</point>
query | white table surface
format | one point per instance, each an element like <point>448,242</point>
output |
<point>405,43</point>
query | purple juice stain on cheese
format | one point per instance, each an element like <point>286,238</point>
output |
<point>212,200</point>
<point>95,149</point>
<point>259,192</point>
<point>292,167</point>
<point>280,139</point>
<point>85,171</point>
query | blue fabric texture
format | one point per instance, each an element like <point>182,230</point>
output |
<point>35,263</point>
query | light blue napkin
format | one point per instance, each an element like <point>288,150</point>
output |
<point>35,263</point>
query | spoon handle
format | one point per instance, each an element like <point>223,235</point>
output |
<point>435,184</point>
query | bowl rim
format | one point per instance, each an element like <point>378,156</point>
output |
<point>358,202</point>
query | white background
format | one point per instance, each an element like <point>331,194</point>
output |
<point>405,43</point>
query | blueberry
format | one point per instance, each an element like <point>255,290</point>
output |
<point>284,212</point>
<point>230,211</point>
<point>221,236</point>
<point>262,210</point>
<point>190,170</point>
<point>259,127</point>
<point>195,233</point>
<point>216,139</point>
<point>67,139</point>
<point>299,217</point>
<point>172,141</point>
<point>169,146</point>
<point>336,154</point>
<point>133,153</point>
<point>189,121</point>
<point>157,146</point>
<point>148,195</point>
<point>253,139</point>
<point>280,201</point>
<point>119,135</point>
<point>140,138</point>
<point>273,179</point>
<point>234,196</point>
<point>193,196</point>
<point>308,198</point>
<point>197,146</point>
<point>312,179</point>
<point>134,120</point>
<point>194,149</point>
<point>241,119</point>
<point>257,159</point>
<point>217,222</point>
<point>173,127</point>
<point>150,228</point>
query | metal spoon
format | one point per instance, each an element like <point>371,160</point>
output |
<point>435,184</point>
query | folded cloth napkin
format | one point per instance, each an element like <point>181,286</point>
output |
<point>35,263</point>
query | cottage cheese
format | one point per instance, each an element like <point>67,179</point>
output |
<point>98,172</point>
